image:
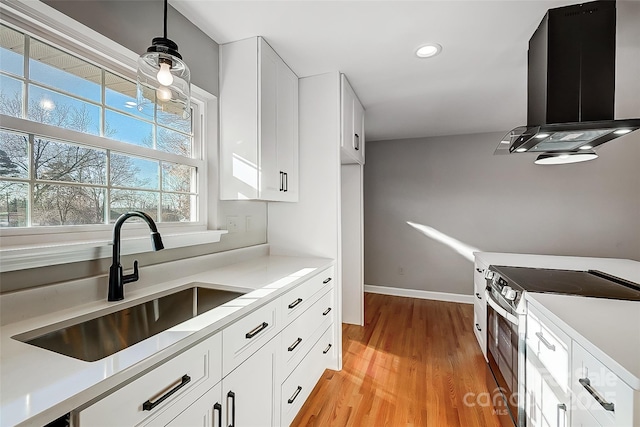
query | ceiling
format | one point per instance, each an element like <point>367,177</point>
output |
<point>477,83</point>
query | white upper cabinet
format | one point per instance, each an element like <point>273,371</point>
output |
<point>258,123</point>
<point>352,141</point>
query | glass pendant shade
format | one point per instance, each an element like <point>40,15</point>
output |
<point>164,80</point>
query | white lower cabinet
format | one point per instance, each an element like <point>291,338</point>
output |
<point>204,412</point>
<point>256,372</point>
<point>249,391</point>
<point>170,388</point>
<point>480,305</point>
<point>548,354</point>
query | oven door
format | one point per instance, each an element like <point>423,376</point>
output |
<point>505,336</point>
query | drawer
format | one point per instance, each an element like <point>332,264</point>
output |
<point>297,300</point>
<point>480,326</point>
<point>244,337</point>
<point>601,392</point>
<point>298,338</point>
<point>173,385</point>
<point>303,379</point>
<point>551,346</point>
<point>478,277</point>
<point>580,417</point>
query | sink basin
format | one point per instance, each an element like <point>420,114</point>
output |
<point>96,338</point>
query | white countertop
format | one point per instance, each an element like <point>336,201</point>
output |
<point>38,385</point>
<point>608,329</point>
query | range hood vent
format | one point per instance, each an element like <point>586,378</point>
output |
<point>583,87</point>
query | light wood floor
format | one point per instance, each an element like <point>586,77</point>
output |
<point>410,365</point>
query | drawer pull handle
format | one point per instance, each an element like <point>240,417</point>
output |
<point>326,350</point>
<point>586,383</point>
<point>544,341</point>
<point>326,311</point>
<point>561,407</point>
<point>478,296</point>
<point>327,280</point>
<point>295,303</point>
<point>479,270</point>
<point>231,395</point>
<point>218,407</point>
<point>295,395</point>
<point>256,330</point>
<point>148,405</point>
<point>478,327</point>
<point>295,344</point>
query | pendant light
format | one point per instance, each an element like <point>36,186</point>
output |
<point>164,80</point>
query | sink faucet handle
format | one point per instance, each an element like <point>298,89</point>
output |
<point>131,277</point>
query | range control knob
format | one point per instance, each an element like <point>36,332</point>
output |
<point>504,290</point>
<point>510,295</point>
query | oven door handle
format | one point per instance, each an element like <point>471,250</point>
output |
<point>501,311</point>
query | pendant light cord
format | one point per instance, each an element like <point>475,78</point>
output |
<point>165,18</point>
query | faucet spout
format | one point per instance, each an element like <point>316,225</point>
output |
<point>117,279</point>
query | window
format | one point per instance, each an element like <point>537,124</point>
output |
<point>74,150</point>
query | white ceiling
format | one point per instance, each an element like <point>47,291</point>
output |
<point>477,83</point>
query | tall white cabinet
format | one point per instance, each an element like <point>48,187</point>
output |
<point>258,123</point>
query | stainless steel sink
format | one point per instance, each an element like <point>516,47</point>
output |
<point>99,337</point>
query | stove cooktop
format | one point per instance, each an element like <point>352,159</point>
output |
<point>590,283</point>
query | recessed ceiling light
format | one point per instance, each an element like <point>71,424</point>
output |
<point>586,147</point>
<point>505,142</point>
<point>428,50</point>
<point>521,150</point>
<point>622,131</point>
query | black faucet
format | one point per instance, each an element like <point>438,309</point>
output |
<point>116,279</point>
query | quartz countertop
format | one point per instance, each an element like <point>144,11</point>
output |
<point>39,385</point>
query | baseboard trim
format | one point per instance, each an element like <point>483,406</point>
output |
<point>416,293</point>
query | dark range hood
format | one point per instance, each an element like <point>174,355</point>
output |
<point>580,57</point>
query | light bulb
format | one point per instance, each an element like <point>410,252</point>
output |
<point>163,93</point>
<point>164,74</point>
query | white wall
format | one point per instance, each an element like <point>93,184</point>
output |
<point>457,186</point>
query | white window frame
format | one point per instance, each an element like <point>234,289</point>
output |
<point>27,247</point>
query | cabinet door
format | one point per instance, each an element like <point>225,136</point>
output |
<point>249,391</point>
<point>268,170</point>
<point>358,130</point>
<point>347,98</point>
<point>287,132</point>
<point>204,412</point>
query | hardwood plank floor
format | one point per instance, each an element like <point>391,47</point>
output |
<point>414,363</point>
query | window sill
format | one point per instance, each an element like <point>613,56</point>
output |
<point>42,255</point>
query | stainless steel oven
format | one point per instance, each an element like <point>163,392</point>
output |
<point>506,328</point>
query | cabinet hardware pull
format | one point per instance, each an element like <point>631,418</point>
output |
<point>478,327</point>
<point>218,407</point>
<point>281,181</point>
<point>148,405</point>
<point>478,295</point>
<point>586,383</point>
<point>326,311</point>
<point>286,181</point>
<point>563,407</point>
<point>480,270</point>
<point>357,145</point>
<point>327,280</point>
<point>544,341</point>
<point>256,330</point>
<point>326,350</point>
<point>293,397</point>
<point>295,303</point>
<point>295,344</point>
<point>231,395</point>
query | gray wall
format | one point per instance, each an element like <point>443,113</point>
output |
<point>133,24</point>
<point>496,203</point>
